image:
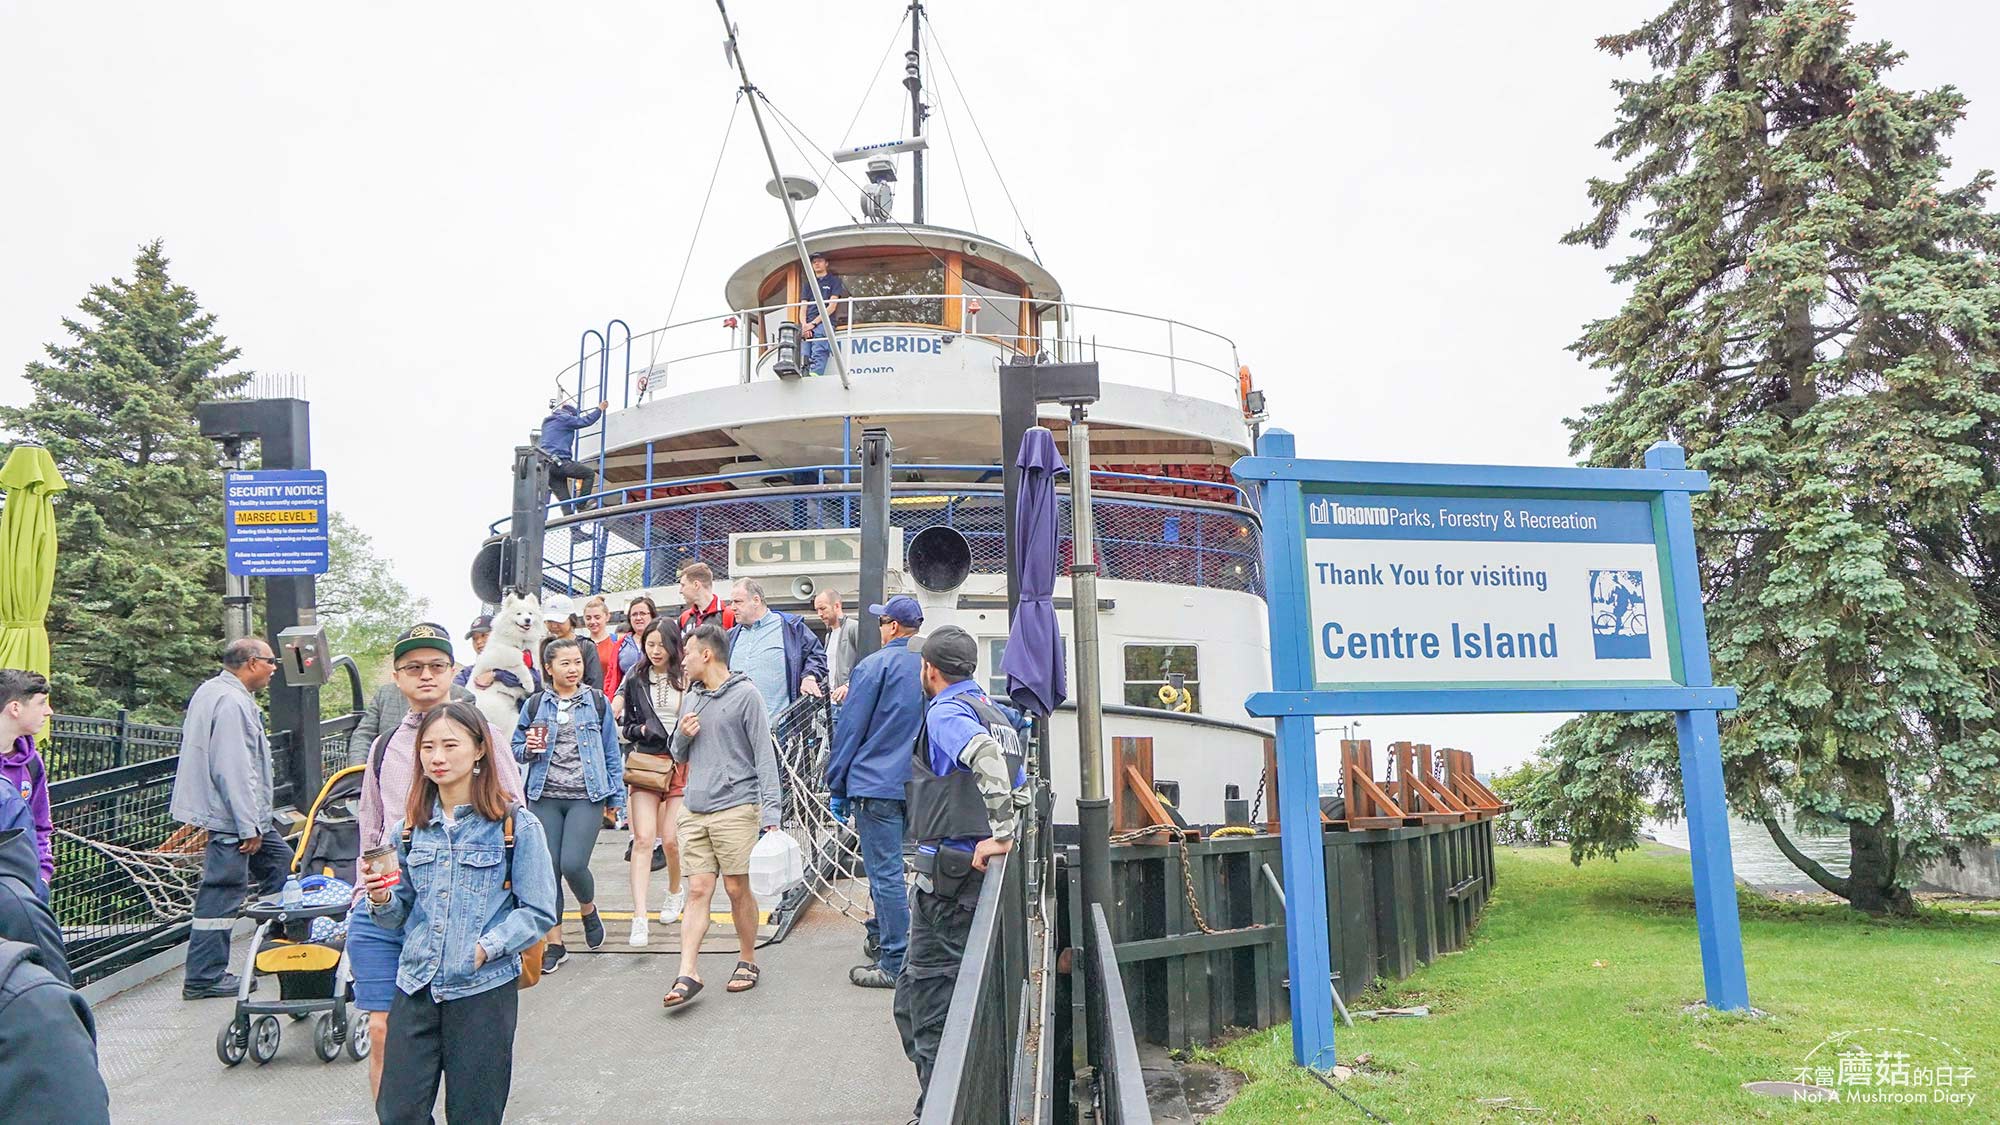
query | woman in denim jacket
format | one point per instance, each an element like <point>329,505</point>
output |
<point>468,909</point>
<point>568,743</point>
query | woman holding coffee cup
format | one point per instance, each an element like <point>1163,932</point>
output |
<point>475,890</point>
<point>421,661</point>
<point>650,701</point>
<point>568,742</point>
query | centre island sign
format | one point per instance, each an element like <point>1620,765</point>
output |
<point>1413,590</point>
<point>1418,589</point>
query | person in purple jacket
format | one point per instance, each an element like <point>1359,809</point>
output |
<point>24,708</point>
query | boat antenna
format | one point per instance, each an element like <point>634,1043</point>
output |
<point>735,54</point>
<point>913,80</point>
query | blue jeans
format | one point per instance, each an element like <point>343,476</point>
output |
<point>879,821</point>
<point>817,349</point>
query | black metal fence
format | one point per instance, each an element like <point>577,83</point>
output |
<point>80,745</point>
<point>986,1063</point>
<point>125,868</point>
<point>1396,899</point>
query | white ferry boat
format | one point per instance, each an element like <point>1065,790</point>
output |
<point>717,448</point>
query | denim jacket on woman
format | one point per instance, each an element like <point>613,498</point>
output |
<point>596,742</point>
<point>454,896</point>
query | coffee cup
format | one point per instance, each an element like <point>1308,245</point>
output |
<point>382,861</point>
<point>538,738</point>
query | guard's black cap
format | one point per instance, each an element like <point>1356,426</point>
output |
<point>950,650</point>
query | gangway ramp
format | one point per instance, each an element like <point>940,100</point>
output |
<point>594,1043</point>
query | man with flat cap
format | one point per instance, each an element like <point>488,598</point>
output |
<point>868,772</point>
<point>967,789</point>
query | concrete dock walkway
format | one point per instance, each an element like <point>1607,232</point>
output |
<point>594,1043</point>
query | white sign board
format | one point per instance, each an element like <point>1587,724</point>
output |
<point>1466,591</point>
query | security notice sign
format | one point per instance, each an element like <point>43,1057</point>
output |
<point>275,522</point>
<point>1469,590</point>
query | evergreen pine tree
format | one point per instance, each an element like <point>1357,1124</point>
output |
<point>1814,314</point>
<point>136,618</point>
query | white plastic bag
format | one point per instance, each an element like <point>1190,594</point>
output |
<point>776,864</point>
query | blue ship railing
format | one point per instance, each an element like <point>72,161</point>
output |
<point>619,494</point>
<point>1142,539</point>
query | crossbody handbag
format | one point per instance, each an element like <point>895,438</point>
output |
<point>654,772</point>
<point>531,957</point>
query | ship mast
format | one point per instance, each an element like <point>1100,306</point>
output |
<point>783,191</point>
<point>914,82</point>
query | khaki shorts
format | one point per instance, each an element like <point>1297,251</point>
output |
<point>718,842</point>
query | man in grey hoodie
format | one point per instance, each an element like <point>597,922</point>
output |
<point>724,736</point>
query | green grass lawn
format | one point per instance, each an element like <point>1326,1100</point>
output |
<point>1571,1002</point>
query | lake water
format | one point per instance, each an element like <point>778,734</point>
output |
<point>1758,861</point>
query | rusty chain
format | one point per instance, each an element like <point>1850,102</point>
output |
<point>1187,869</point>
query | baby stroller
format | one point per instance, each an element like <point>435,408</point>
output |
<point>303,946</point>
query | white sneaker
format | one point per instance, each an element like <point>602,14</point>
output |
<point>671,907</point>
<point>640,933</point>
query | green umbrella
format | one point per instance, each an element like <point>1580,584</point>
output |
<point>27,556</point>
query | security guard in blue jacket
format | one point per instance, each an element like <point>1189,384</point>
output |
<point>868,772</point>
<point>965,797</point>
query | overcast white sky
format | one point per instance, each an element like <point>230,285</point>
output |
<point>418,207</point>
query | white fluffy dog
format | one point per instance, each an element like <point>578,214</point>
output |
<point>517,630</point>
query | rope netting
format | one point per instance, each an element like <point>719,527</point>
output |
<point>167,876</point>
<point>834,873</point>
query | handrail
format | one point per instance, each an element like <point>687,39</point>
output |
<point>552,511</point>
<point>1062,333</point>
<point>1127,711</point>
<point>971,1077</point>
<point>1114,1048</point>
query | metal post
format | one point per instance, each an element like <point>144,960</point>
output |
<point>846,477</point>
<point>1093,808</point>
<point>877,456</point>
<point>1302,843</point>
<point>235,587</point>
<point>1017,417</point>
<point>530,520</point>
<point>913,81</point>
<point>1717,925</point>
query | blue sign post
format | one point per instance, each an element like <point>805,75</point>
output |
<point>275,522</point>
<point>1419,589</point>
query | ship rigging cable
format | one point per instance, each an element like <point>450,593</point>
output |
<point>693,240</point>
<point>894,37</point>
<point>951,139</point>
<point>937,46</point>
<point>791,126</point>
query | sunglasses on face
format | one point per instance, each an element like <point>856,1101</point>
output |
<point>425,667</point>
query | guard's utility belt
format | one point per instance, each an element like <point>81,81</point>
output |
<point>947,872</point>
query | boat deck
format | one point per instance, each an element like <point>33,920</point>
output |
<point>594,1043</point>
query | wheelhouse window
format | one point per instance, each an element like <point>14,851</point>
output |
<point>1163,677</point>
<point>894,288</point>
<point>999,302</point>
<point>776,312</point>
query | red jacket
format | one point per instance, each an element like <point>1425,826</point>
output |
<point>607,655</point>
<point>717,608</point>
